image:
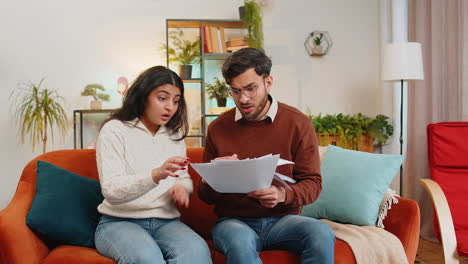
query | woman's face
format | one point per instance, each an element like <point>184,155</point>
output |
<point>161,105</point>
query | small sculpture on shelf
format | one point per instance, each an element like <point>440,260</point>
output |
<point>92,90</point>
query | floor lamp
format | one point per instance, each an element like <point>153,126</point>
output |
<point>402,61</point>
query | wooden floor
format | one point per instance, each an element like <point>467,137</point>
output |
<point>431,253</point>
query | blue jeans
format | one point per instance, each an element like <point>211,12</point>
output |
<point>149,240</point>
<point>240,239</point>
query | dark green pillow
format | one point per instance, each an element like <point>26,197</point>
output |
<point>64,208</point>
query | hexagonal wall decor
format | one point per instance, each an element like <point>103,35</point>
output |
<point>318,43</point>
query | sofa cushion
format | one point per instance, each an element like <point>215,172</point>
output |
<point>353,186</point>
<point>64,208</point>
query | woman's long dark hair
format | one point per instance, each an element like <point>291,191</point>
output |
<point>134,102</point>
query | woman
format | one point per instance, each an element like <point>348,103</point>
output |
<point>142,168</point>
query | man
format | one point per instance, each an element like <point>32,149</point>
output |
<point>265,219</point>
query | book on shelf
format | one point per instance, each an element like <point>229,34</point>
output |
<point>237,41</point>
<point>203,35</point>
<point>223,39</point>
<point>238,38</point>
<point>214,39</point>
<point>236,48</point>
<point>208,42</point>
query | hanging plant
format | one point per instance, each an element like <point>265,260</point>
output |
<point>253,22</point>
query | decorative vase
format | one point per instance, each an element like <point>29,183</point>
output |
<point>185,72</point>
<point>96,105</point>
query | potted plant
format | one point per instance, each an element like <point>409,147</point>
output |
<point>182,51</point>
<point>37,111</point>
<point>92,90</point>
<point>317,49</point>
<point>219,91</point>
<point>252,19</point>
<point>358,132</point>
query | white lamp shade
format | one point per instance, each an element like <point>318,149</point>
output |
<point>402,61</point>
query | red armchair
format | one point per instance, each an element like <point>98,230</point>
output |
<point>448,186</point>
<point>18,244</point>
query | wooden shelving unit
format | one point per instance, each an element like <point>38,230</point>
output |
<point>210,63</point>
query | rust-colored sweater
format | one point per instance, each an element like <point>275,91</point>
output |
<point>291,135</point>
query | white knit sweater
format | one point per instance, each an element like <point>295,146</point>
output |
<point>126,153</point>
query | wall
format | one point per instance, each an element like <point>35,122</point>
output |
<point>348,78</point>
<point>74,44</point>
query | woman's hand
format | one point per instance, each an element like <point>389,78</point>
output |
<point>180,195</point>
<point>169,167</point>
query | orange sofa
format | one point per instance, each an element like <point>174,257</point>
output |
<point>18,244</point>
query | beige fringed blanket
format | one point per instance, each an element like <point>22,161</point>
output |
<point>370,244</point>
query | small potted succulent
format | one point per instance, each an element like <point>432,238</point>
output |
<point>92,90</point>
<point>317,49</point>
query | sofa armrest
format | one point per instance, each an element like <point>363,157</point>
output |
<point>442,210</point>
<point>403,220</point>
<point>18,244</point>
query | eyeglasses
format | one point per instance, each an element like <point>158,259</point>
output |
<point>250,92</point>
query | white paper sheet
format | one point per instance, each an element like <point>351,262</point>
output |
<point>240,176</point>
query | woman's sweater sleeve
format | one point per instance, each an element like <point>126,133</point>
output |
<point>118,185</point>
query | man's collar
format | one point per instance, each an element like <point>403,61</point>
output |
<point>271,112</point>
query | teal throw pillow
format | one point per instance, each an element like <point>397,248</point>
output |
<point>64,208</point>
<point>353,186</point>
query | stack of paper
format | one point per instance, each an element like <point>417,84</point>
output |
<point>242,176</point>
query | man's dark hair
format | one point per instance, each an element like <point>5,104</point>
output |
<point>244,59</point>
<point>134,102</point>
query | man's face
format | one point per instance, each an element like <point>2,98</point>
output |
<point>250,93</point>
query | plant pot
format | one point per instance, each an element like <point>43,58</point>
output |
<point>96,105</point>
<point>221,101</point>
<point>185,72</point>
<point>364,143</point>
<point>317,51</point>
<point>241,12</point>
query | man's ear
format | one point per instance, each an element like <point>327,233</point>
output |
<point>268,83</point>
